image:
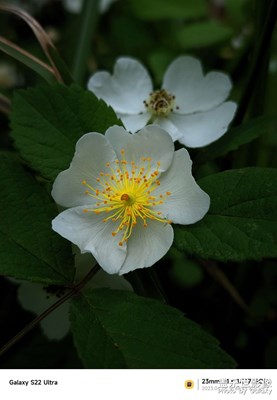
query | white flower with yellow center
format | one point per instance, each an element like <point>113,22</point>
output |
<point>123,192</point>
<point>191,107</point>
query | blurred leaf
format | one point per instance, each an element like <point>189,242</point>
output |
<point>235,11</point>
<point>27,59</point>
<point>241,222</point>
<point>184,271</point>
<point>159,61</point>
<point>114,329</point>
<point>237,137</point>
<point>48,121</point>
<point>271,353</point>
<point>164,9</point>
<point>29,248</point>
<point>203,34</point>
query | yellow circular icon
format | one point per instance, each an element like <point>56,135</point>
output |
<point>189,384</point>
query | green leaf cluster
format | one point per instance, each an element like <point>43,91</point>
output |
<point>135,332</point>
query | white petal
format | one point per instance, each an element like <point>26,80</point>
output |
<point>134,122</point>
<point>92,153</point>
<point>84,262</point>
<point>187,203</point>
<point>201,129</point>
<point>195,92</point>
<point>73,6</point>
<point>91,234</point>
<point>34,298</point>
<point>151,141</point>
<point>147,245</point>
<point>169,127</point>
<point>126,89</point>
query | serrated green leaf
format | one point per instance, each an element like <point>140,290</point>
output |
<point>203,34</point>
<point>48,121</point>
<point>241,222</point>
<point>29,248</point>
<point>237,137</point>
<point>164,9</point>
<point>116,329</point>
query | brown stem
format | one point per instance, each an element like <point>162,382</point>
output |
<point>222,279</point>
<point>5,104</point>
<point>76,289</point>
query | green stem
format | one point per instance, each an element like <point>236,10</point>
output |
<point>88,23</point>
<point>259,54</point>
<point>76,289</point>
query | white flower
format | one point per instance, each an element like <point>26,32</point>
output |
<point>190,106</point>
<point>75,6</point>
<point>123,191</point>
<point>36,298</point>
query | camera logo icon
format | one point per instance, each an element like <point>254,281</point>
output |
<point>189,384</point>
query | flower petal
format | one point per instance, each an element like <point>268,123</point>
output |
<point>126,89</point>
<point>169,127</point>
<point>187,202</point>
<point>34,298</point>
<point>92,153</point>
<point>151,141</point>
<point>134,122</point>
<point>88,231</point>
<point>84,262</point>
<point>201,129</point>
<point>195,92</point>
<point>147,245</point>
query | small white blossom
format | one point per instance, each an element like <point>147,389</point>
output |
<point>122,192</point>
<point>36,297</point>
<point>191,107</point>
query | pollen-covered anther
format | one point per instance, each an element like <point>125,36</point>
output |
<point>127,195</point>
<point>160,103</point>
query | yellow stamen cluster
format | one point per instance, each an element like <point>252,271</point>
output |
<point>126,195</point>
<point>160,103</point>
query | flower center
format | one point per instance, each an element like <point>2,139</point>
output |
<point>160,103</point>
<point>125,195</point>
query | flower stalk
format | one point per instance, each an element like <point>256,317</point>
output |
<point>88,24</point>
<point>73,292</point>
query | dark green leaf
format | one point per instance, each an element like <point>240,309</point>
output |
<point>241,222</point>
<point>115,329</point>
<point>203,34</point>
<point>29,248</point>
<point>164,9</point>
<point>48,121</point>
<point>236,137</point>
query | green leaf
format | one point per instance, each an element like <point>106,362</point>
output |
<point>237,137</point>
<point>241,222</point>
<point>203,34</point>
<point>164,9</point>
<point>116,329</point>
<point>29,248</point>
<point>48,121</point>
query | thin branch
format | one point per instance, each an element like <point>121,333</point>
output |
<point>25,53</point>
<point>5,104</point>
<point>222,279</point>
<point>76,289</point>
<point>259,53</point>
<point>41,35</point>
